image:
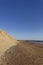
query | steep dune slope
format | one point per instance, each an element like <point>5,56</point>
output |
<point>6,41</point>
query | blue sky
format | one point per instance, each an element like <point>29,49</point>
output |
<point>22,19</point>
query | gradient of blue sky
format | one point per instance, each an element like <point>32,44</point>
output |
<point>22,19</point>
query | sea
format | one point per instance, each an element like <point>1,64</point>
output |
<point>37,42</point>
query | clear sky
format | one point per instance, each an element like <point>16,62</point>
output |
<point>22,19</point>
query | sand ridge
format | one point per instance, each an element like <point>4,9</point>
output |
<point>6,41</point>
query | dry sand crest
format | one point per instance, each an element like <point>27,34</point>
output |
<point>6,41</point>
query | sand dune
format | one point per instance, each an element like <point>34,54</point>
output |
<point>6,41</point>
